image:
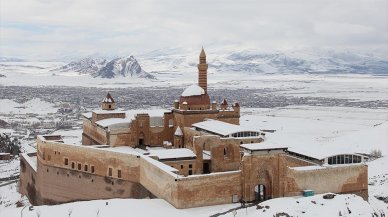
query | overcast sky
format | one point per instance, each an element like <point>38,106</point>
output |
<point>55,28</point>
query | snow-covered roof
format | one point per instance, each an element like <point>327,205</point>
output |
<point>178,132</point>
<point>165,154</point>
<point>123,149</point>
<point>108,99</point>
<point>112,121</point>
<point>193,90</point>
<point>206,155</point>
<point>262,146</point>
<point>87,115</point>
<point>100,111</point>
<point>220,127</point>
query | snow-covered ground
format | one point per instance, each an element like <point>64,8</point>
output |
<point>364,87</point>
<point>35,106</point>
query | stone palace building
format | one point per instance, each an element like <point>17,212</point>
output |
<point>195,154</point>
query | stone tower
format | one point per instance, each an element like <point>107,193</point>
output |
<point>202,71</point>
<point>108,103</point>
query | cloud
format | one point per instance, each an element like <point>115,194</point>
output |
<point>47,29</point>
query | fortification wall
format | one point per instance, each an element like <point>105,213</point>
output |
<point>28,177</point>
<point>120,137</point>
<point>336,179</point>
<point>94,132</point>
<point>208,189</point>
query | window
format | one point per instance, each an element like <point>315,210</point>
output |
<point>110,106</point>
<point>190,172</point>
<point>66,161</point>
<point>79,166</point>
<point>86,168</point>
<point>119,173</point>
<point>181,166</point>
<point>92,169</point>
<point>190,166</point>
<point>110,172</point>
<point>72,165</point>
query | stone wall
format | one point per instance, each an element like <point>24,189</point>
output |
<point>95,133</point>
<point>352,178</point>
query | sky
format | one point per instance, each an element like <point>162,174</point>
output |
<point>49,29</point>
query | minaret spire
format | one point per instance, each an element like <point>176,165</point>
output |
<point>202,70</point>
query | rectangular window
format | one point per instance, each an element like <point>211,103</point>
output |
<point>92,169</point>
<point>72,165</point>
<point>110,172</point>
<point>86,168</point>
<point>119,173</point>
<point>330,160</point>
<point>181,166</point>
<point>190,172</point>
<point>79,166</point>
<point>190,166</point>
<point>66,161</point>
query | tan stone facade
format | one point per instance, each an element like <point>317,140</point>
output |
<point>179,156</point>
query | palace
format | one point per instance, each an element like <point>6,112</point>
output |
<point>195,154</point>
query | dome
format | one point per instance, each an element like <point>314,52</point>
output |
<point>193,90</point>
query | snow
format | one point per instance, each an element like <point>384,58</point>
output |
<point>165,154</point>
<point>220,127</point>
<point>35,106</point>
<point>262,146</point>
<point>317,206</point>
<point>87,115</point>
<point>112,121</point>
<point>320,132</point>
<point>178,132</point>
<point>307,168</point>
<point>193,90</point>
<point>378,177</point>
<point>123,150</point>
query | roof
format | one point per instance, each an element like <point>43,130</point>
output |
<point>108,99</point>
<point>178,132</point>
<point>262,146</point>
<point>220,127</point>
<point>202,54</point>
<point>193,90</point>
<point>111,121</point>
<point>165,154</point>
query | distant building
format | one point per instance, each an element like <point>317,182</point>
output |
<point>195,154</point>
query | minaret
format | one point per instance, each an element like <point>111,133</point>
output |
<point>202,71</point>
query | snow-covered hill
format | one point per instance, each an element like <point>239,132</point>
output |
<point>123,67</point>
<point>98,67</point>
<point>256,61</point>
<point>86,65</point>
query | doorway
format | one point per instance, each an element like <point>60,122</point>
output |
<point>206,168</point>
<point>260,194</point>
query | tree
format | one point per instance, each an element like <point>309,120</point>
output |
<point>9,145</point>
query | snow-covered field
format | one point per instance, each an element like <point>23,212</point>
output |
<point>364,87</point>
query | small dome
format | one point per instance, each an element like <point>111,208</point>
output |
<point>193,90</point>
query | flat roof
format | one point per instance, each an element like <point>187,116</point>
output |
<point>166,154</point>
<point>111,121</point>
<point>262,146</point>
<point>220,127</point>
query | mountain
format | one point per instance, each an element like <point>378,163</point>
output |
<point>98,67</point>
<point>254,61</point>
<point>86,65</point>
<point>11,59</point>
<point>123,67</point>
